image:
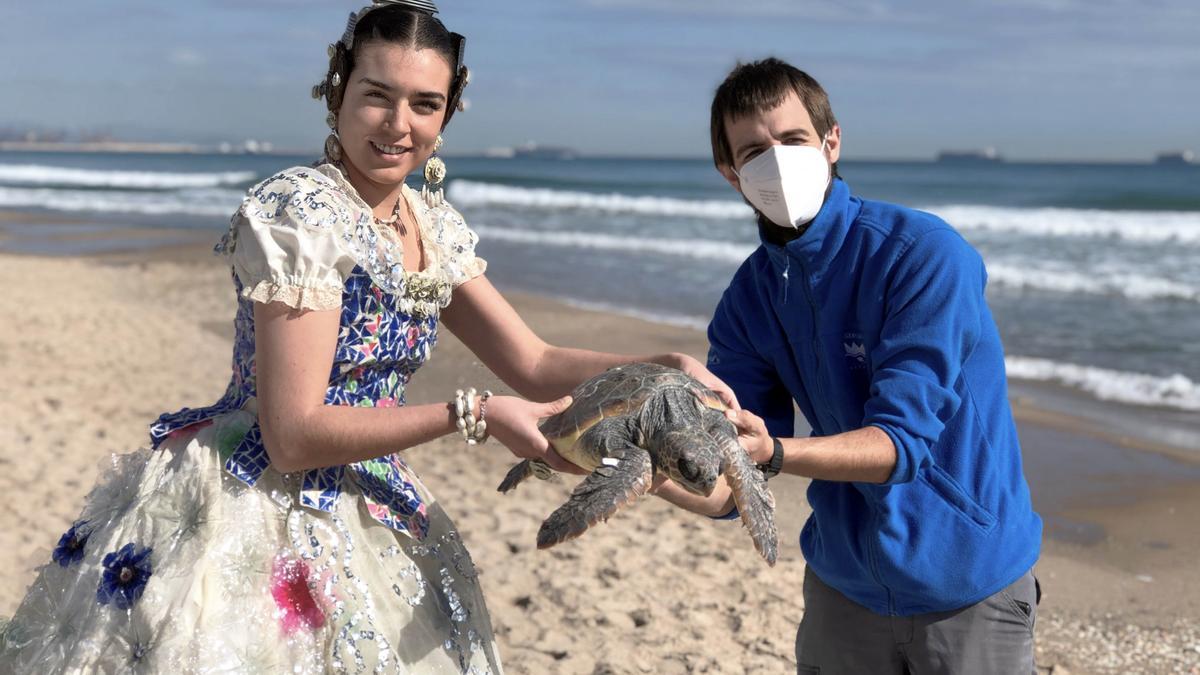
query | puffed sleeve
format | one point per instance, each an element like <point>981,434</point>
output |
<point>456,245</point>
<point>285,244</point>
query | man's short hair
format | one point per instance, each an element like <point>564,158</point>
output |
<point>754,88</point>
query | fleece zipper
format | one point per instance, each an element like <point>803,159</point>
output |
<point>872,541</point>
<point>816,335</point>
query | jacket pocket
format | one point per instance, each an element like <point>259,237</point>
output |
<point>944,485</point>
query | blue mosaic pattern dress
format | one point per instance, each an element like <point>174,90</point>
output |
<point>195,555</point>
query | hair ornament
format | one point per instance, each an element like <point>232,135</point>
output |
<point>417,5</point>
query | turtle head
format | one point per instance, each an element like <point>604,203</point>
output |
<point>691,458</point>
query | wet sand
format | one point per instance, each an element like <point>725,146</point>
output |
<point>95,348</point>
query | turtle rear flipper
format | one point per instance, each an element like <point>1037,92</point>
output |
<point>623,476</point>
<point>755,504</point>
<point>524,469</point>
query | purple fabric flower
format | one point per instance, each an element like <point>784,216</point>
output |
<point>70,546</point>
<point>126,572</point>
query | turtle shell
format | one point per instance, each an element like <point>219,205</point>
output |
<point>618,391</point>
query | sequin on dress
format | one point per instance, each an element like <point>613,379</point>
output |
<point>194,555</point>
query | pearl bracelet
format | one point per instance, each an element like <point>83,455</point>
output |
<point>473,431</point>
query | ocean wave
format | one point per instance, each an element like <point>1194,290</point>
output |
<point>195,202</point>
<point>1127,285</point>
<point>664,318</point>
<point>1175,391</point>
<point>704,249</point>
<point>1141,227</point>
<point>40,175</point>
<point>466,193</point>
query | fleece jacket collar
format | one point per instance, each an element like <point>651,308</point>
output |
<point>824,237</point>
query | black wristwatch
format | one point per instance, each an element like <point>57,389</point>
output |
<point>772,468</point>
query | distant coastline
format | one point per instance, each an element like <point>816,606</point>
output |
<point>102,146</point>
<point>983,156</point>
<point>1176,157</point>
<point>1173,158</point>
<point>149,148</point>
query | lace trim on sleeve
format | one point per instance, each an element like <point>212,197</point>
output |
<point>456,243</point>
<point>294,296</point>
<point>470,269</point>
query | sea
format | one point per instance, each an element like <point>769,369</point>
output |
<point>1093,269</point>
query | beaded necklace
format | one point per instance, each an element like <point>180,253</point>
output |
<point>395,222</point>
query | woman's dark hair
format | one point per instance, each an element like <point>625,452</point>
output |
<point>404,26</point>
<point>754,88</point>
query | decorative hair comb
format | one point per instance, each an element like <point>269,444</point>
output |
<point>419,5</point>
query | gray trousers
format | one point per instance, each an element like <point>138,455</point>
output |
<point>994,635</point>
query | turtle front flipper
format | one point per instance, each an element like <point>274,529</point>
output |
<point>623,476</point>
<point>755,504</point>
<point>524,469</point>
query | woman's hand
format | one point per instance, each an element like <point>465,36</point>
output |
<point>697,370</point>
<point>514,422</point>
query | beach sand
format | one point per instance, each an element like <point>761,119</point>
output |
<point>93,349</point>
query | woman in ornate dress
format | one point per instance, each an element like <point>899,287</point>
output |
<point>279,529</point>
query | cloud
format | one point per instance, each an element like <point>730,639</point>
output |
<point>189,58</point>
<point>846,10</point>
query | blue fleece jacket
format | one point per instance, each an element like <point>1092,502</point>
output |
<point>876,316</point>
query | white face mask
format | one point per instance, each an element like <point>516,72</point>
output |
<point>787,183</point>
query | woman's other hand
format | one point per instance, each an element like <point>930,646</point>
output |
<point>514,422</point>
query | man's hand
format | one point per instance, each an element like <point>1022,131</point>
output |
<point>697,370</point>
<point>752,435</point>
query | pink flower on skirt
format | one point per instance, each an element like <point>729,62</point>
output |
<point>189,429</point>
<point>289,586</point>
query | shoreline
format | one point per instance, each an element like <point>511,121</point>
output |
<point>1132,582</point>
<point>1173,432</point>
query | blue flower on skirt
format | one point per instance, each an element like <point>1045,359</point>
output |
<point>70,546</point>
<point>126,572</point>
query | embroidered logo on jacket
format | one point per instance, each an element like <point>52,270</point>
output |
<point>856,350</point>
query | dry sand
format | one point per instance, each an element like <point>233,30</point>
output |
<point>92,350</point>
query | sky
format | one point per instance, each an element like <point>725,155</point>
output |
<point>1035,79</point>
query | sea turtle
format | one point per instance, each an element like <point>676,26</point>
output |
<point>630,422</point>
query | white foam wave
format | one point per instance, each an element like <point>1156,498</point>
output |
<point>196,202</point>
<point>36,174</point>
<point>1127,285</point>
<point>1141,227</point>
<point>703,249</point>
<point>666,318</point>
<point>1175,391</point>
<point>465,193</point>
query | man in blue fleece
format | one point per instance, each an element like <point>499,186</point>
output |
<point>870,317</point>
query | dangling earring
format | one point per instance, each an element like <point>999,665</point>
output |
<point>333,147</point>
<point>435,173</point>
